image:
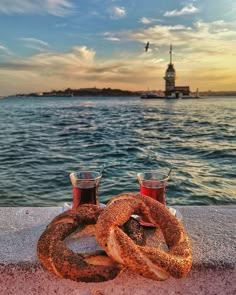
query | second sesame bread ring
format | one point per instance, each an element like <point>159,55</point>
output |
<point>149,262</point>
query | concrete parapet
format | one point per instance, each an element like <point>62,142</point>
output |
<point>211,229</point>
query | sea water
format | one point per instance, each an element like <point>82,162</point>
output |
<point>43,139</point>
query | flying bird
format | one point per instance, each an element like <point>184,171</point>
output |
<point>147,46</point>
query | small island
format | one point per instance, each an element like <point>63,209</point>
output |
<point>100,92</point>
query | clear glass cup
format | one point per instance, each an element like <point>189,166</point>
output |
<point>153,184</point>
<point>85,187</point>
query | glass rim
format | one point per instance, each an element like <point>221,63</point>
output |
<point>75,173</point>
<point>140,175</point>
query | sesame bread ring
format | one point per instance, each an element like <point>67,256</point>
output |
<point>149,262</point>
<point>56,257</point>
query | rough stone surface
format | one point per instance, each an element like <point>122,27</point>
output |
<point>211,229</point>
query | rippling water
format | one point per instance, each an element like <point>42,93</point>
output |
<point>43,139</point>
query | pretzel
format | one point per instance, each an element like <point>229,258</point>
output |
<point>56,257</point>
<point>149,262</point>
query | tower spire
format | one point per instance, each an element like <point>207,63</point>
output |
<point>170,52</point>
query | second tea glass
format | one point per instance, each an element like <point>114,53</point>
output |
<point>153,184</point>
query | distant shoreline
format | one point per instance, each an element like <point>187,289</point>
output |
<point>108,92</point>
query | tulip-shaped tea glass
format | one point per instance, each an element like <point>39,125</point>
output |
<point>153,184</point>
<point>85,187</point>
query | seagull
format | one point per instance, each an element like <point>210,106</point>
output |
<point>147,46</point>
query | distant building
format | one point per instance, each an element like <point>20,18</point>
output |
<point>170,77</point>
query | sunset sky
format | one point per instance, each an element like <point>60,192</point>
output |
<point>56,44</point>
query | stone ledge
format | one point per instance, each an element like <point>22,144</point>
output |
<point>211,229</point>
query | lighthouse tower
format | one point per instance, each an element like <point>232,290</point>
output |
<point>170,76</point>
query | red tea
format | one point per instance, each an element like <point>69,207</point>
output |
<point>156,193</point>
<point>85,195</point>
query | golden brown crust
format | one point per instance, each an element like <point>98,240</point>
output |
<point>147,261</point>
<point>63,262</point>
